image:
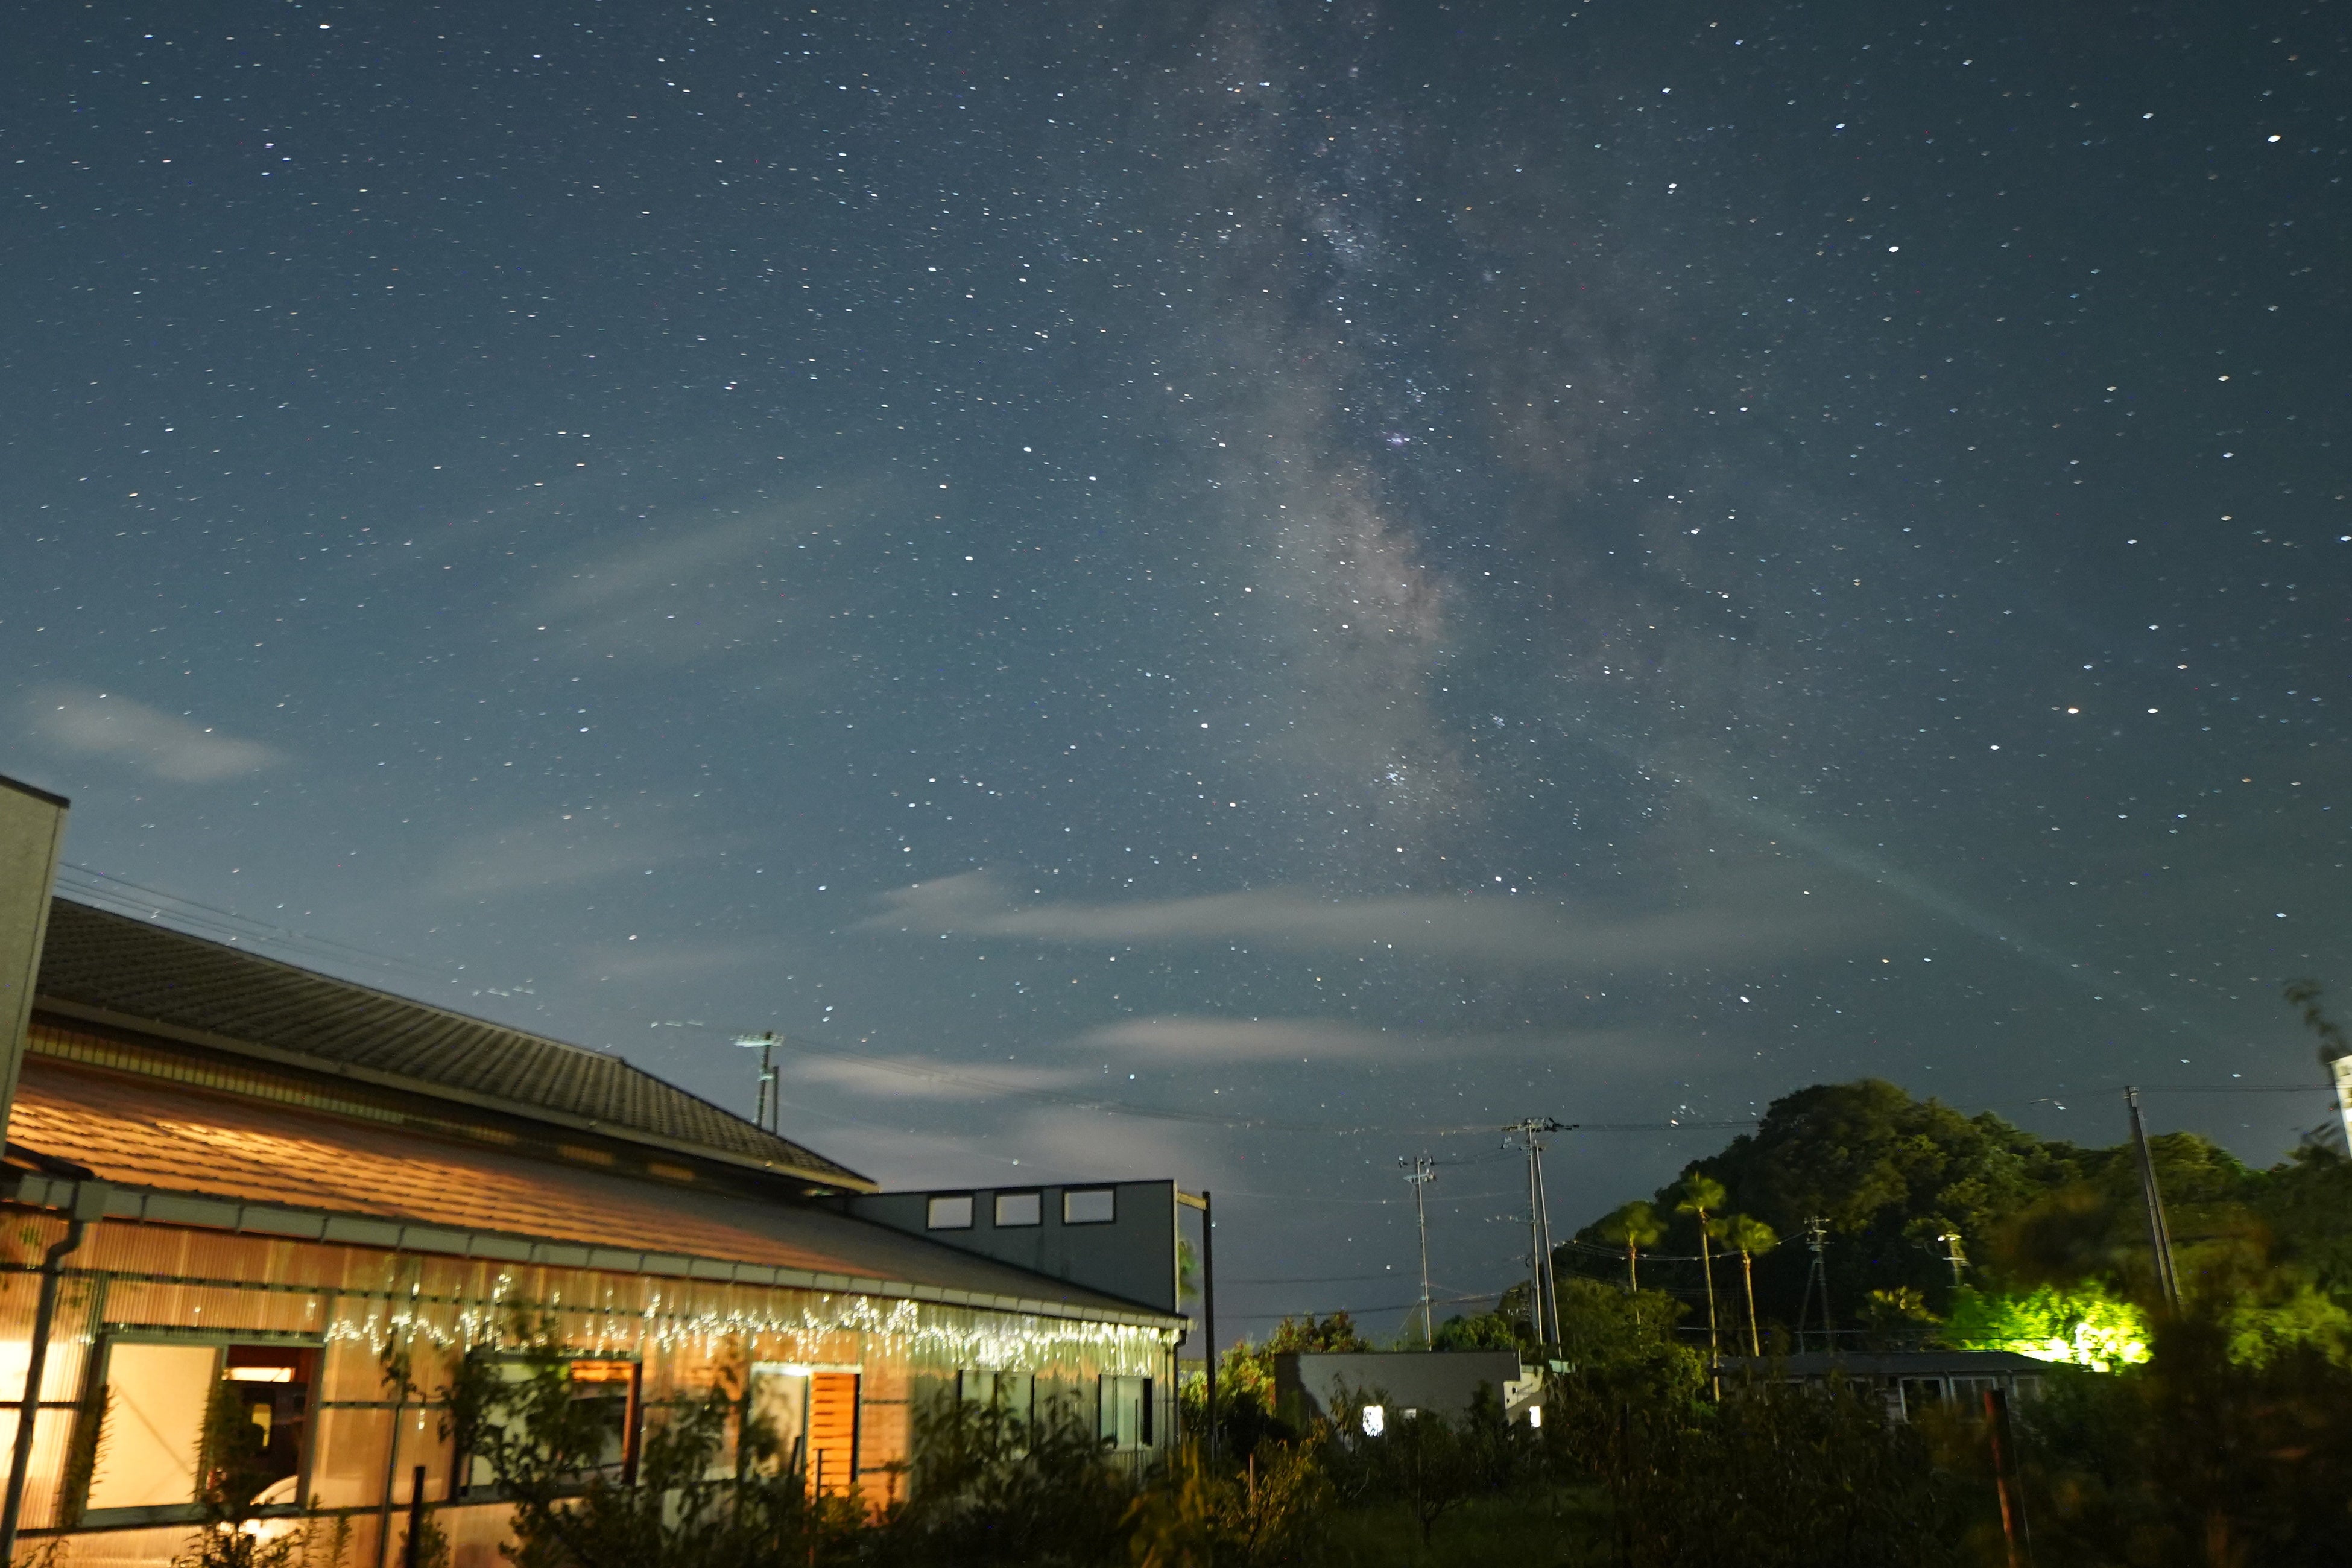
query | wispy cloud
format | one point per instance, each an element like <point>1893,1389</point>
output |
<point>744,584</point>
<point>907,1078</point>
<point>1199,1038</point>
<point>103,724</point>
<point>536,855</point>
<point>1761,916</point>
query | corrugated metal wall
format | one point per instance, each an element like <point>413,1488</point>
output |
<point>359,1304</point>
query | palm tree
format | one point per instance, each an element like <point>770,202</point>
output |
<point>1749,1235</point>
<point>1633,1226</point>
<point>1702,1195</point>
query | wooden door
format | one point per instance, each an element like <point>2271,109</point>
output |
<point>833,1432</point>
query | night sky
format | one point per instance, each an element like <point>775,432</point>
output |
<point>1331,576</point>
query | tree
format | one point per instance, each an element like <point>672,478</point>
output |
<point>1749,1235</point>
<point>1486,1332</point>
<point>1632,1226</point>
<point>1870,1160</point>
<point>1700,1195</point>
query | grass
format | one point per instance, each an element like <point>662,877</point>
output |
<point>1543,1528</point>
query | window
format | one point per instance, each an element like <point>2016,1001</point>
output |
<point>156,1398</point>
<point>952,1212</point>
<point>805,1419</point>
<point>1534,1416</point>
<point>1970,1391</point>
<point>607,1389</point>
<point>1020,1208</point>
<point>1013,1392</point>
<point>1918,1393</point>
<point>1089,1205</point>
<point>779,1422</point>
<point>1124,1415</point>
<point>1374,1419</point>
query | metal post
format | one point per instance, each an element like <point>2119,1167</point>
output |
<point>2159,1233</point>
<point>2006,1482</point>
<point>1209,1316</point>
<point>1817,1236</point>
<point>412,1550</point>
<point>1545,1303</point>
<point>1424,1170</point>
<point>769,1113</point>
<point>89,1203</point>
<point>1543,1235</point>
<point>2339,1073</point>
<point>2335,1048</point>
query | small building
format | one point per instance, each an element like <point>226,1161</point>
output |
<point>1370,1388</point>
<point>1908,1381</point>
<point>223,1169</point>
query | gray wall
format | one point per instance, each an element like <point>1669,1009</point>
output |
<point>1133,1257</point>
<point>1442,1381</point>
<point>32,830</point>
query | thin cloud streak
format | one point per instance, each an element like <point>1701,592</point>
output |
<point>1193,1039</point>
<point>93,724</point>
<point>1762,921</point>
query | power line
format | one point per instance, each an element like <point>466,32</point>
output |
<point>1390,1307</point>
<point>108,890</point>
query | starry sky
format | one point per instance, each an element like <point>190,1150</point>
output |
<point>1234,591</point>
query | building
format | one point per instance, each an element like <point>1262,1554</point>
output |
<point>1908,1380</point>
<point>226,1170</point>
<point>1370,1388</point>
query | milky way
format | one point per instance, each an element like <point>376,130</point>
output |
<point>1235,592</point>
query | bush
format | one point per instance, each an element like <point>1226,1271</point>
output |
<point>1775,1474</point>
<point>2196,1458</point>
<point>992,1486</point>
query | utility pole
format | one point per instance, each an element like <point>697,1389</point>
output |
<point>1424,1171</point>
<point>2160,1233</point>
<point>770,1115</point>
<point>1953,1255</point>
<point>2335,1049</point>
<point>1530,1133</point>
<point>1817,1237</point>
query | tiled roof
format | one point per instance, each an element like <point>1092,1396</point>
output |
<point>111,968</point>
<point>141,1134</point>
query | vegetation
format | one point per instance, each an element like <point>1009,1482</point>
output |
<point>2219,1434</point>
<point>232,1473</point>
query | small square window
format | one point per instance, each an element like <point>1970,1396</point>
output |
<point>1020,1208</point>
<point>1090,1206</point>
<point>952,1213</point>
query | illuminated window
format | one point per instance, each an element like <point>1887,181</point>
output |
<point>605,1390</point>
<point>952,1212</point>
<point>157,1395</point>
<point>1090,1206</point>
<point>1534,1416</point>
<point>1124,1415</point>
<point>1019,1209</point>
<point>1012,1392</point>
<point>1375,1420</point>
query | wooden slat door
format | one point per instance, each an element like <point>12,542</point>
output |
<point>833,1432</point>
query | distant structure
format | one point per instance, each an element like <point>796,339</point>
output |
<point>1370,1389</point>
<point>222,1170</point>
<point>1906,1382</point>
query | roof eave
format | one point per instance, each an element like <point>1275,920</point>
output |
<point>160,1205</point>
<point>84,1011</point>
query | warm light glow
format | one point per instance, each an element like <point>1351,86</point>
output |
<point>259,1374</point>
